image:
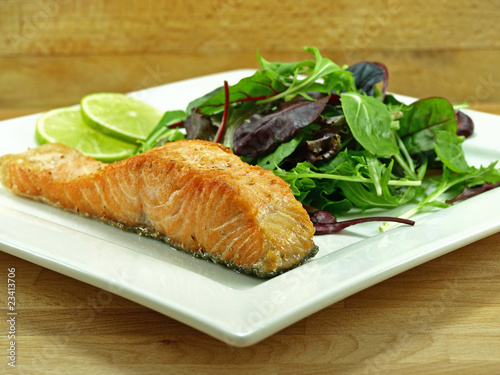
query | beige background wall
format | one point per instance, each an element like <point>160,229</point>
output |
<point>54,51</point>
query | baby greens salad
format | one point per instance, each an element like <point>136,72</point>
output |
<point>340,140</point>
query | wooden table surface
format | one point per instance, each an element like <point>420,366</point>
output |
<point>442,317</point>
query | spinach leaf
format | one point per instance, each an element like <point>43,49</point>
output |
<point>449,150</point>
<point>366,76</point>
<point>259,86</point>
<point>370,123</point>
<point>273,160</point>
<point>193,105</point>
<point>422,119</point>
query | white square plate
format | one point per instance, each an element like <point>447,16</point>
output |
<point>235,308</point>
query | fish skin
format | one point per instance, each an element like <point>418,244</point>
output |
<point>196,195</point>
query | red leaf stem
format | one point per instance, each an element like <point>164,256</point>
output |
<point>218,137</point>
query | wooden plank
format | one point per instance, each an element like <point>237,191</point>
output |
<point>57,81</point>
<point>63,27</point>
<point>52,52</point>
<point>360,353</point>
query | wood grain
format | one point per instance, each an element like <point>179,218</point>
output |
<point>441,317</point>
<point>52,52</point>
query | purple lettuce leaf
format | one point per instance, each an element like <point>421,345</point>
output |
<point>262,134</point>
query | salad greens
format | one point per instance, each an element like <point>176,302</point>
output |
<point>339,140</point>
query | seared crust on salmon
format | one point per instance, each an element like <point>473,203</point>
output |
<point>196,195</point>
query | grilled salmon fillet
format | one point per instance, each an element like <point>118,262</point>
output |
<point>196,195</point>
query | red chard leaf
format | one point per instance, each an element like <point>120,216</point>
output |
<point>465,124</point>
<point>262,134</point>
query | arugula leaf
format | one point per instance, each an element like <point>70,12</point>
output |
<point>162,129</point>
<point>335,78</point>
<point>326,196</point>
<point>370,123</point>
<point>477,177</point>
<point>380,192</point>
<point>312,191</point>
<point>284,70</point>
<point>349,174</point>
<point>365,196</point>
<point>449,179</point>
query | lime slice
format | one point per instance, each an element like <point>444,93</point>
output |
<point>66,126</point>
<point>119,116</point>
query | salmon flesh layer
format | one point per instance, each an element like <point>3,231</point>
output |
<point>196,195</point>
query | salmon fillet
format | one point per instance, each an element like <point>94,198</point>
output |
<point>196,195</point>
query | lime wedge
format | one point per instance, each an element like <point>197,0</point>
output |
<point>119,116</point>
<point>66,126</point>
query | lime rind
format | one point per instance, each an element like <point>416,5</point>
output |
<point>119,116</point>
<point>66,126</point>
